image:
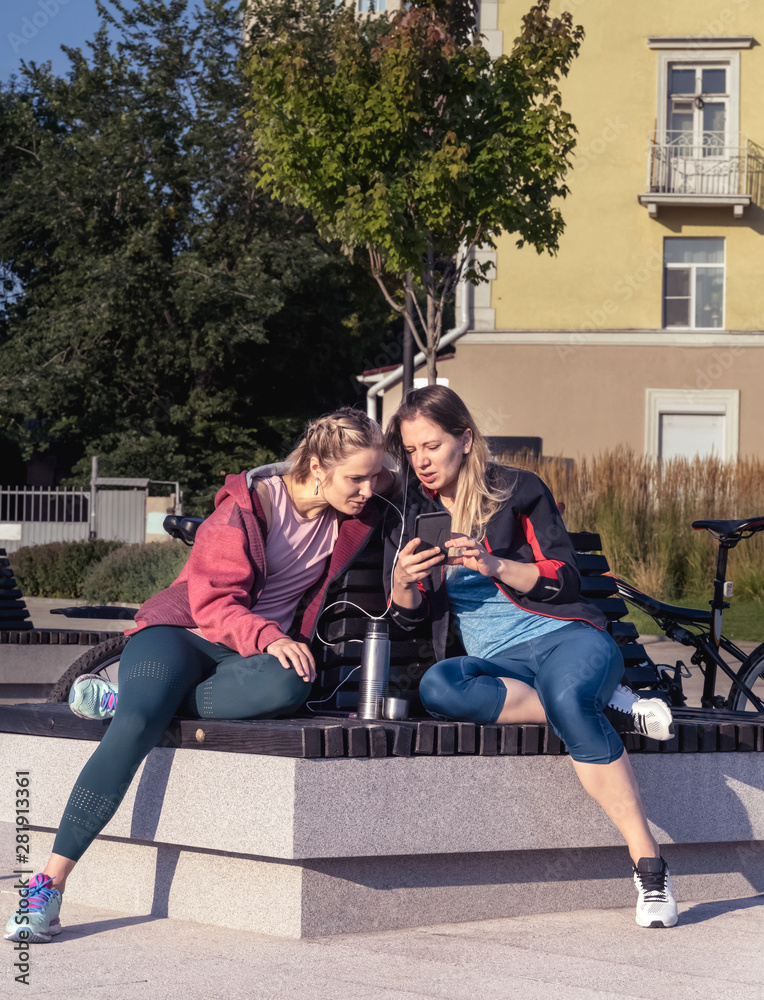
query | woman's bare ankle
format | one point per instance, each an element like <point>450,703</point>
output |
<point>58,870</point>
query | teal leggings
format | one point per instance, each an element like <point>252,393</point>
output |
<point>166,671</point>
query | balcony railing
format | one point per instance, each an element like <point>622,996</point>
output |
<point>689,169</point>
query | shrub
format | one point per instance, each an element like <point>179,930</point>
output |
<point>134,572</point>
<point>58,568</point>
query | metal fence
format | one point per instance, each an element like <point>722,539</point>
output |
<point>31,503</point>
<point>31,515</point>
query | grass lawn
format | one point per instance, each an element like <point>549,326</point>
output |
<point>743,620</point>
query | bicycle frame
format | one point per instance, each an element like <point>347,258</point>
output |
<point>707,654</point>
<point>669,619</point>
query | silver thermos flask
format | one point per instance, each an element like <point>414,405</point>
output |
<point>375,670</point>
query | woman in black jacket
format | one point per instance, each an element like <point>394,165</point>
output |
<point>536,651</point>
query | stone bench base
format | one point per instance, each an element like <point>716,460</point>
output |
<point>337,896</point>
<point>299,848</point>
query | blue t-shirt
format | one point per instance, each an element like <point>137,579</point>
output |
<point>487,620</point>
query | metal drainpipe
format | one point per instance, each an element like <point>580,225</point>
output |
<point>393,377</point>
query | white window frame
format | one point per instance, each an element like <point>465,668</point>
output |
<point>693,284</point>
<point>698,133</point>
<point>696,57</point>
<point>714,401</point>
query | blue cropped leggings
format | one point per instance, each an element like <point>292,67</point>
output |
<point>166,671</point>
<point>574,669</point>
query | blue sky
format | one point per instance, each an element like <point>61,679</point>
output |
<point>35,30</point>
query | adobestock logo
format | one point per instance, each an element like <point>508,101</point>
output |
<point>32,26</point>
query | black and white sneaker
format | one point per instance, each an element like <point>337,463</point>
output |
<point>646,716</point>
<point>656,906</point>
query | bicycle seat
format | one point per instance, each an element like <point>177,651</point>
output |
<point>727,530</point>
<point>180,527</point>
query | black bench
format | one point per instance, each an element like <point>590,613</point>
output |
<point>323,734</point>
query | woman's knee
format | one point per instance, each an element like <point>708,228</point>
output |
<point>435,689</point>
<point>259,687</point>
<point>457,689</point>
<point>291,693</point>
<point>138,728</point>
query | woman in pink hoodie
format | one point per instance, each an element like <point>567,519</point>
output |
<point>225,640</point>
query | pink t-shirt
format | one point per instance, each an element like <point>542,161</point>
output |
<point>296,551</point>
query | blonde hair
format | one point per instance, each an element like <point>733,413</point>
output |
<point>332,439</point>
<point>476,499</point>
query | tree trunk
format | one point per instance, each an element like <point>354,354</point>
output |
<point>432,368</point>
<point>409,321</point>
<point>433,340</point>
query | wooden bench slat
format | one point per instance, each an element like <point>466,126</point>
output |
<point>425,738</point>
<point>530,739</point>
<point>589,563</point>
<point>623,631</point>
<point>611,607</point>
<point>357,741</point>
<point>510,740</point>
<point>466,737</point>
<point>598,586</point>
<point>586,541</point>
<point>333,741</point>
<point>403,741</point>
<point>446,738</point>
<point>488,737</point>
<point>746,738</point>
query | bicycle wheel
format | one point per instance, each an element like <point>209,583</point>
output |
<point>101,659</point>
<point>751,674</point>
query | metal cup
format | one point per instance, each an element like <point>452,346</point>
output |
<point>395,708</point>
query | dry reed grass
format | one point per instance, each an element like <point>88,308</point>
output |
<point>643,510</point>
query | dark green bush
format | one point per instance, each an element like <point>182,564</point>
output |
<point>134,572</point>
<point>58,568</point>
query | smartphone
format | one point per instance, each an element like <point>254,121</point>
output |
<point>434,529</point>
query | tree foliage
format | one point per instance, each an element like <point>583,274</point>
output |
<point>403,137</point>
<point>160,309</point>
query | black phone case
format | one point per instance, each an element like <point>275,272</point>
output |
<point>430,534</point>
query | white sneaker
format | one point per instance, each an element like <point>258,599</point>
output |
<point>656,906</point>
<point>646,716</point>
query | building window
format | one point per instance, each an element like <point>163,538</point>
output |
<point>371,6</point>
<point>693,283</point>
<point>697,155</point>
<point>697,114</point>
<point>698,94</point>
<point>692,423</point>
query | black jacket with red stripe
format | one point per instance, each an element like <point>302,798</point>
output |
<point>528,528</point>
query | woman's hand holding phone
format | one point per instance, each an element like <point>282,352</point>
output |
<point>420,556</point>
<point>414,565</point>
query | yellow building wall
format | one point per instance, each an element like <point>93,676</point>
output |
<point>589,399</point>
<point>608,272</point>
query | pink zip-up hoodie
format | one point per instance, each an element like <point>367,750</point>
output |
<point>218,588</point>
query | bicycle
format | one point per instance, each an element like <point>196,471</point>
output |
<point>702,630</point>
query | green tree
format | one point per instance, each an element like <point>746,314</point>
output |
<point>159,309</point>
<point>403,137</point>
